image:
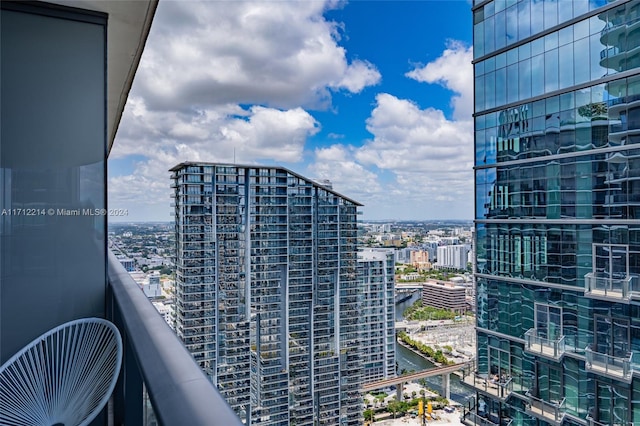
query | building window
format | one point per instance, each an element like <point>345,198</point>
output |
<point>612,336</point>
<point>611,261</point>
<point>548,383</point>
<point>548,320</point>
<point>612,405</point>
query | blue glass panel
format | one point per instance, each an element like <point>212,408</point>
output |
<point>595,47</point>
<point>501,60</point>
<point>550,13</point>
<point>512,83</point>
<point>490,149</point>
<point>512,24</point>
<point>580,58</point>
<point>550,41</point>
<point>490,64</point>
<point>489,35</point>
<point>524,19</point>
<point>580,30</point>
<point>565,10</point>
<point>537,75</point>
<point>501,86</point>
<point>480,147</point>
<point>480,122</point>
<point>501,30</point>
<point>566,65</point>
<point>490,90</point>
<point>537,46</point>
<point>478,40</point>
<point>565,36</point>
<point>489,9</point>
<point>479,93</point>
<point>525,78</point>
<point>551,73</point>
<point>580,7</point>
<point>537,16</point>
<point>567,101</point>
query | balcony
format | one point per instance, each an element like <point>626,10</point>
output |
<point>549,348</point>
<point>609,52</point>
<point>615,367</point>
<point>471,418</point>
<point>482,383</point>
<point>550,412</point>
<point>609,289</point>
<point>159,379</point>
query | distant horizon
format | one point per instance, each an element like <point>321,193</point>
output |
<point>359,221</point>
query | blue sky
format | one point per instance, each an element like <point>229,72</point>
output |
<point>374,95</point>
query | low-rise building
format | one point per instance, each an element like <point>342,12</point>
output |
<point>128,263</point>
<point>166,311</point>
<point>444,295</point>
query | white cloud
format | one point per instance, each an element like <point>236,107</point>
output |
<point>337,164</point>
<point>271,134</point>
<point>358,76</point>
<point>428,156</point>
<point>225,134</point>
<point>228,80</point>
<point>283,54</point>
<point>452,70</point>
<point>420,147</point>
<point>254,133</point>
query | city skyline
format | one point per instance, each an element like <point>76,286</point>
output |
<point>332,97</point>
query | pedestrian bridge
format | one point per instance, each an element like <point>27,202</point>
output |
<point>409,286</point>
<point>399,381</point>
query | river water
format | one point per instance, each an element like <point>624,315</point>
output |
<point>409,360</point>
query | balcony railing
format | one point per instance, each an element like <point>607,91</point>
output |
<point>616,289</point>
<point>551,412</point>
<point>609,52</point>
<point>484,383</point>
<point>471,418</point>
<point>156,361</point>
<point>549,348</point>
<point>608,365</point>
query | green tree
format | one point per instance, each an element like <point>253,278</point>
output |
<point>394,407</point>
<point>369,415</point>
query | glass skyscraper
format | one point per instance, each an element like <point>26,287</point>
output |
<point>557,184</point>
<point>267,293</point>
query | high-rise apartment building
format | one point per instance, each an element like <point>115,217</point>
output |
<point>557,178</point>
<point>267,294</point>
<point>453,256</point>
<point>376,268</point>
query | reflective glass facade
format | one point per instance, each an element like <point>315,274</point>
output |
<point>267,295</point>
<point>557,159</point>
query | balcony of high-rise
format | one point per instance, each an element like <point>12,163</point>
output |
<point>67,68</point>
